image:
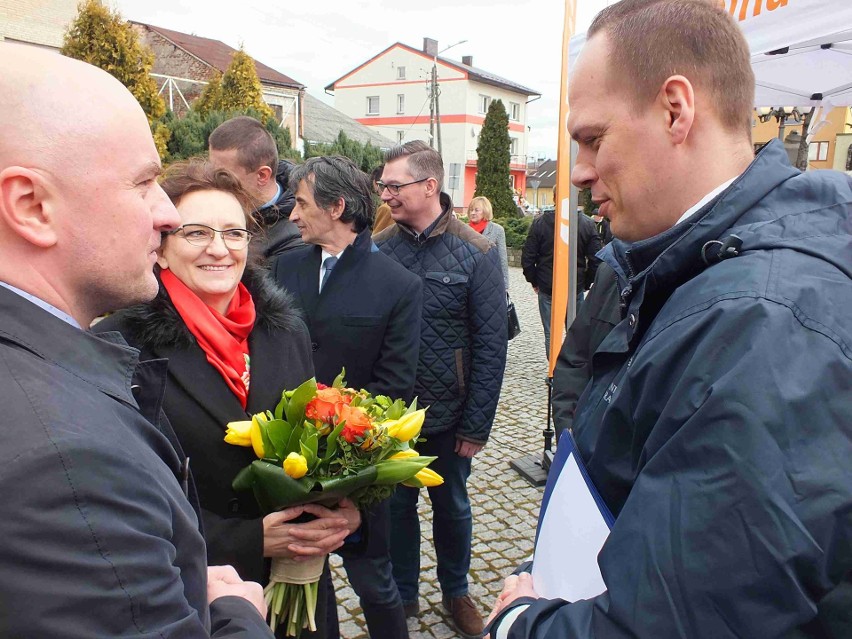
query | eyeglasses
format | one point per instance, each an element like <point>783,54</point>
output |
<point>394,188</point>
<point>203,235</point>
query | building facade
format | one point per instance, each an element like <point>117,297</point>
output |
<point>829,147</point>
<point>40,23</point>
<point>392,91</point>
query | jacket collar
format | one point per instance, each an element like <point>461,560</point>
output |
<point>438,227</point>
<point>104,361</point>
<point>675,256</point>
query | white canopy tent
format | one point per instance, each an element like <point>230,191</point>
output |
<point>801,50</point>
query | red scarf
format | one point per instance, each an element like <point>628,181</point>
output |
<point>223,338</point>
<point>478,226</point>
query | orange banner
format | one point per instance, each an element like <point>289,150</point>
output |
<point>561,283</point>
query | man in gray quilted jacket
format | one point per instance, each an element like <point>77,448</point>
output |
<point>460,368</point>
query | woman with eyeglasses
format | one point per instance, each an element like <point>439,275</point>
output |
<point>480,216</point>
<point>233,341</point>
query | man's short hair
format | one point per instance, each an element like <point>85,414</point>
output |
<point>254,144</point>
<point>423,161</point>
<point>333,177</point>
<point>651,40</point>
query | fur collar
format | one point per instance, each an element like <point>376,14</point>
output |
<point>157,323</point>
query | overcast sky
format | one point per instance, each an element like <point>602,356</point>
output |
<point>317,41</point>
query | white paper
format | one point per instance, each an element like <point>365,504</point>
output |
<point>572,534</point>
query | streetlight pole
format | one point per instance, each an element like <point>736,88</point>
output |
<point>435,109</point>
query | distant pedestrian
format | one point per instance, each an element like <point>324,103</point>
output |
<point>481,215</point>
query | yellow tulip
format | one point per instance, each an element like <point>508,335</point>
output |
<point>405,454</point>
<point>239,433</point>
<point>295,465</point>
<point>256,438</point>
<point>425,478</point>
<point>408,426</point>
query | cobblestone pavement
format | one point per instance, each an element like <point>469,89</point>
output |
<point>505,506</point>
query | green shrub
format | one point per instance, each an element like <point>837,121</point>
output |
<point>516,230</point>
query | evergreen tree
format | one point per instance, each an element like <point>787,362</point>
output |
<point>102,38</point>
<point>211,97</point>
<point>492,168</point>
<point>365,156</point>
<point>241,88</point>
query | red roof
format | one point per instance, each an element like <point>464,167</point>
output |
<point>218,55</point>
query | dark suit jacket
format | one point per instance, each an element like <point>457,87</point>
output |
<point>199,404</point>
<point>98,537</point>
<point>367,317</point>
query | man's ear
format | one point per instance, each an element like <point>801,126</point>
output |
<point>678,100</point>
<point>28,205</point>
<point>337,209</point>
<point>431,187</point>
<point>264,175</point>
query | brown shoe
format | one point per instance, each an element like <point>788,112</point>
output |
<point>466,618</point>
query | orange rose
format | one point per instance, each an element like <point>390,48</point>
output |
<point>332,395</point>
<point>320,411</point>
<point>358,423</point>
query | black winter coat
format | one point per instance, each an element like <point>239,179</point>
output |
<point>463,333</point>
<point>597,315</point>
<point>199,404</point>
<point>367,317</point>
<point>99,539</point>
<point>537,254</point>
<point>717,423</point>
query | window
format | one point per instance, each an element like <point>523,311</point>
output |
<point>484,103</point>
<point>400,137</point>
<point>818,151</point>
<point>513,146</point>
<point>373,105</point>
<point>400,73</point>
<point>278,110</point>
<point>516,111</point>
<point>400,103</point>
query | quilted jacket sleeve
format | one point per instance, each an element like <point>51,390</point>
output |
<point>488,330</point>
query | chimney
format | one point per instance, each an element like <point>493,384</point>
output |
<point>467,60</point>
<point>430,47</point>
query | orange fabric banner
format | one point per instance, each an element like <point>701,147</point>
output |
<point>561,282</point>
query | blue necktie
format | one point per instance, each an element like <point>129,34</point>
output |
<point>328,264</point>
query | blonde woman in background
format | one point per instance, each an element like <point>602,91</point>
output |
<point>480,215</point>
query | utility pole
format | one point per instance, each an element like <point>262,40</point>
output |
<point>433,84</point>
<point>438,118</point>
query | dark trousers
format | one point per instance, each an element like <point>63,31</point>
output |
<point>371,577</point>
<point>452,523</point>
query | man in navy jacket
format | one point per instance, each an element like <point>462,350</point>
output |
<point>99,538</point>
<point>716,426</point>
<point>363,313</point>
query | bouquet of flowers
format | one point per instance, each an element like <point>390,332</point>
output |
<point>319,445</point>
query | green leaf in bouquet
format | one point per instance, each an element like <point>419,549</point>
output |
<point>384,401</point>
<point>396,410</point>
<point>268,446</point>
<point>293,443</point>
<point>278,432</point>
<point>301,396</point>
<point>309,444</point>
<point>243,480</point>
<point>331,442</point>
<point>340,380</point>
<point>394,471</point>
<point>281,408</point>
<point>411,408</point>
<point>274,489</point>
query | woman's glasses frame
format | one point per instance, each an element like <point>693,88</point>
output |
<point>203,235</point>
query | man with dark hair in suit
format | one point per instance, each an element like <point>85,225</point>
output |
<point>363,313</point>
